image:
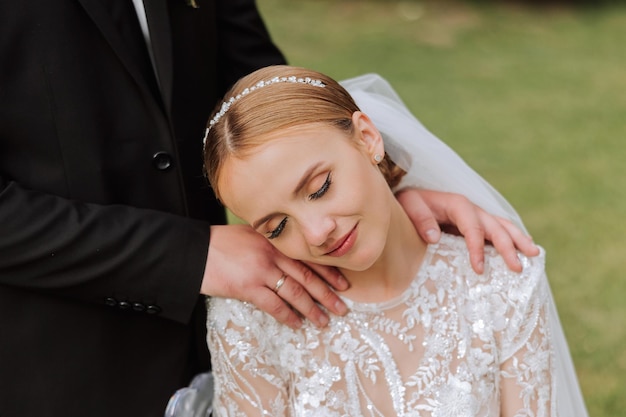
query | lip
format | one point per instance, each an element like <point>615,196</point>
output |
<point>345,243</point>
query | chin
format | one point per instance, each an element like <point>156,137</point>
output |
<point>345,262</point>
<point>362,261</point>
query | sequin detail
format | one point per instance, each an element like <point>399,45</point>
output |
<point>452,345</point>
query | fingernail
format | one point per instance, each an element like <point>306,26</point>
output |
<point>432,235</point>
<point>323,320</point>
<point>481,266</point>
<point>341,308</point>
<point>343,283</point>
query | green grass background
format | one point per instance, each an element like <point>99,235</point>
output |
<point>535,100</point>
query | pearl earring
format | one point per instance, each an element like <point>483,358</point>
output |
<point>378,158</point>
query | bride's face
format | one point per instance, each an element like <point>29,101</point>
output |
<point>315,193</point>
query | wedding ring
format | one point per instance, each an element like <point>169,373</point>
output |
<point>280,283</point>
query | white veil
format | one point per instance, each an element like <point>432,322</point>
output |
<point>431,164</point>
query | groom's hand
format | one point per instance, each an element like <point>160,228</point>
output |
<point>242,264</point>
<point>427,209</point>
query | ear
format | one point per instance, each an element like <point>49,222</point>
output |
<point>367,135</point>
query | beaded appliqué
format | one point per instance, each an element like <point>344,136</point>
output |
<point>450,346</point>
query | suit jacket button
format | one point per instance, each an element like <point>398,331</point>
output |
<point>162,160</point>
<point>110,301</point>
<point>139,307</point>
<point>152,309</point>
<point>123,305</point>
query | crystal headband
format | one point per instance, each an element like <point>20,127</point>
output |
<point>227,103</point>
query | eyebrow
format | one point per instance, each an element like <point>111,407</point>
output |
<point>305,178</point>
<point>262,220</point>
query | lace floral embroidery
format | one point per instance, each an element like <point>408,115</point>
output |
<point>455,344</point>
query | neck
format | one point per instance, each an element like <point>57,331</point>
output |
<point>397,266</point>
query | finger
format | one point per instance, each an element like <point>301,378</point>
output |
<point>331,275</point>
<point>298,298</point>
<point>475,241</point>
<point>502,241</point>
<point>468,221</point>
<point>521,240</point>
<point>311,286</point>
<point>271,303</point>
<point>420,214</point>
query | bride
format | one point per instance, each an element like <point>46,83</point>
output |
<point>302,159</point>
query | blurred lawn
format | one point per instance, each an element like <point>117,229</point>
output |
<point>534,100</point>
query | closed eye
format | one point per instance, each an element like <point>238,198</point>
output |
<point>323,189</point>
<point>278,230</point>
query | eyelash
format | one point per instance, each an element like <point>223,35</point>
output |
<point>318,194</point>
<point>279,229</point>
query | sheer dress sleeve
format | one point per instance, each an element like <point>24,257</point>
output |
<point>527,387</point>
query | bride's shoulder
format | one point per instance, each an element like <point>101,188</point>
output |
<point>506,291</point>
<point>454,249</point>
<point>232,322</point>
<point>229,312</point>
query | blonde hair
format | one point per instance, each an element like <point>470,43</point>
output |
<point>250,120</point>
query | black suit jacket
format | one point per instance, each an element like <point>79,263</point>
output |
<point>104,211</point>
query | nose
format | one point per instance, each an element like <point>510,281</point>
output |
<point>317,229</point>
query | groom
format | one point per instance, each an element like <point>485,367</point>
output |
<point>105,217</point>
<point>104,211</point>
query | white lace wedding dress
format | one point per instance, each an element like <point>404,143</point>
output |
<point>454,344</point>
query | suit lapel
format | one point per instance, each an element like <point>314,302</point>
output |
<point>103,21</point>
<point>161,40</point>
